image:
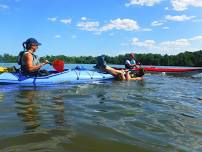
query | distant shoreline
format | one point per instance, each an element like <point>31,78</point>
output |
<point>181,59</point>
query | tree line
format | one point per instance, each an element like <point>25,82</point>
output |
<point>181,59</point>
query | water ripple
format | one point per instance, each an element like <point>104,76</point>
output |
<point>157,114</point>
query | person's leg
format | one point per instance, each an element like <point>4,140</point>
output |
<point>113,71</point>
<point>128,77</point>
<point>100,61</point>
<point>122,75</point>
<point>119,74</point>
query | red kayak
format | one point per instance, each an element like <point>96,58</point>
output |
<point>172,71</point>
<point>175,71</point>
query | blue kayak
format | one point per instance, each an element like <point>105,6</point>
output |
<point>68,76</point>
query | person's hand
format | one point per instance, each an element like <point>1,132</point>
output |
<point>46,62</point>
<point>139,78</point>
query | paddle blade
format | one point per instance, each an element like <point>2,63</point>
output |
<point>58,65</point>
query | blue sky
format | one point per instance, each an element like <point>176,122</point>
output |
<point>112,27</point>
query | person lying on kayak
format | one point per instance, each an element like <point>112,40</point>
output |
<point>131,63</point>
<point>28,61</point>
<point>119,74</point>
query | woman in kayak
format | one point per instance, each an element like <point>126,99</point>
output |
<point>119,74</point>
<point>28,60</point>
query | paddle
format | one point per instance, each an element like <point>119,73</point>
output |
<point>58,65</point>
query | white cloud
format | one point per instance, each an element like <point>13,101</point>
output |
<point>88,26</point>
<point>57,36</point>
<point>197,20</point>
<point>181,5</point>
<point>142,2</point>
<point>166,28</point>
<point>111,34</point>
<point>124,44</point>
<point>121,24</point>
<point>196,38</point>
<point>117,24</point>
<point>166,8</point>
<point>66,21</point>
<point>135,41</point>
<point>146,29</point>
<point>157,23</point>
<point>180,18</point>
<point>169,47</point>
<point>147,43</point>
<point>180,43</point>
<point>3,7</point>
<point>74,36</point>
<point>83,18</point>
<point>52,19</point>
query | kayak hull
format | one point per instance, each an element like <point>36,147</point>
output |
<point>69,76</point>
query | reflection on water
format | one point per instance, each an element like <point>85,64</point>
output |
<point>157,114</point>
<point>33,111</point>
<point>1,96</point>
<point>27,109</point>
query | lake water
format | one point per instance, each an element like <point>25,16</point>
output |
<point>158,114</point>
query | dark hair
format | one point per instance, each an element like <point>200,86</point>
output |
<point>26,46</point>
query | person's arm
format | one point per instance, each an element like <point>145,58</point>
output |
<point>28,59</point>
<point>137,78</point>
<point>134,65</point>
<point>128,77</point>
